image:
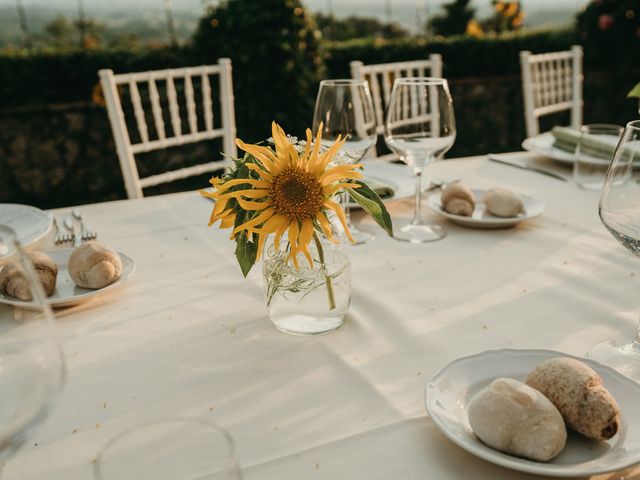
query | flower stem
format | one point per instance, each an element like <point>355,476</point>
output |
<point>332,299</point>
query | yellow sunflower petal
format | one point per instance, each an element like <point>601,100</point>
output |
<point>240,181</point>
<point>264,174</point>
<point>281,231</point>
<point>252,193</point>
<point>338,209</point>
<point>249,205</point>
<point>322,220</point>
<point>305,237</point>
<point>263,154</point>
<point>334,177</point>
<point>255,221</point>
<point>228,221</point>
<point>293,242</point>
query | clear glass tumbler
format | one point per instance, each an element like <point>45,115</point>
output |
<point>178,448</point>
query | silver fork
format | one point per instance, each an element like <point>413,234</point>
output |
<point>60,237</point>
<point>85,233</point>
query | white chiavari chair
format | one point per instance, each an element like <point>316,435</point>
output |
<point>183,96</point>
<point>551,83</point>
<point>381,76</point>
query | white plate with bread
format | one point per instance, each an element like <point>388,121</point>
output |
<point>489,209</point>
<point>454,400</point>
<point>71,276</point>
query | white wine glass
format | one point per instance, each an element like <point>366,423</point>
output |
<point>620,213</point>
<point>170,449</point>
<point>31,363</point>
<point>420,127</point>
<point>345,109</point>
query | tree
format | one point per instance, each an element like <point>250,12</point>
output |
<point>454,21</point>
<point>349,28</point>
<point>274,49</point>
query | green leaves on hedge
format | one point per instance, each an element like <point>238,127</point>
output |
<point>369,200</point>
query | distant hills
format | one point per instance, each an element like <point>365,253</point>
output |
<point>146,19</point>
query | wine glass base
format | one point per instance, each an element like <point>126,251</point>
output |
<point>618,354</point>
<point>360,237</point>
<point>419,233</point>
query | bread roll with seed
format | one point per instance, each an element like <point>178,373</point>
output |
<point>502,202</point>
<point>14,284</point>
<point>458,199</point>
<point>94,265</point>
<point>517,419</point>
<point>578,393</point>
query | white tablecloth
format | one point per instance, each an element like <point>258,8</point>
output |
<point>188,336</point>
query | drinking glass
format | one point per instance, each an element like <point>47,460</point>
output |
<point>177,448</point>
<point>593,154</point>
<point>31,362</point>
<point>420,127</point>
<point>345,109</point>
<point>620,213</point>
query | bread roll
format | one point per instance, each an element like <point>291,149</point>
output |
<point>517,419</point>
<point>579,394</point>
<point>14,284</point>
<point>502,202</point>
<point>94,265</point>
<point>458,199</point>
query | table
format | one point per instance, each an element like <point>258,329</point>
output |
<point>188,336</point>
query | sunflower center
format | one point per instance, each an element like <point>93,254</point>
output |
<point>296,193</point>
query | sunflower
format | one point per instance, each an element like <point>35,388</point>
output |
<point>291,193</point>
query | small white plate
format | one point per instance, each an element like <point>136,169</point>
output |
<point>398,177</point>
<point>481,219</point>
<point>448,393</point>
<point>543,145</point>
<point>67,293</point>
<point>30,224</point>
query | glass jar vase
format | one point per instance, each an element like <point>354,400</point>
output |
<point>308,299</point>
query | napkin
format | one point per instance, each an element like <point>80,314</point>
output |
<point>592,145</point>
<point>383,190</point>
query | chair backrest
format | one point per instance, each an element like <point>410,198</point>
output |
<point>551,82</point>
<point>381,76</point>
<point>161,102</point>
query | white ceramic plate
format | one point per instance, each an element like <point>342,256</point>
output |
<point>543,145</point>
<point>398,177</point>
<point>449,392</point>
<point>29,223</point>
<point>67,293</point>
<point>481,219</point>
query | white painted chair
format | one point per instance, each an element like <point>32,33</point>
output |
<point>199,124</point>
<point>551,83</point>
<point>381,76</point>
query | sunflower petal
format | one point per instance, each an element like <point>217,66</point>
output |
<point>255,221</point>
<point>249,205</point>
<point>338,209</point>
<point>322,220</point>
<point>240,181</point>
<point>263,154</point>
<point>305,237</point>
<point>294,231</point>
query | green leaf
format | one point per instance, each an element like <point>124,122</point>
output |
<point>246,252</point>
<point>635,92</point>
<point>369,200</point>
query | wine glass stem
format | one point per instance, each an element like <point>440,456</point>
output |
<point>417,216</point>
<point>635,344</point>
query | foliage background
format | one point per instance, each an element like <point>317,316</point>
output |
<point>56,146</point>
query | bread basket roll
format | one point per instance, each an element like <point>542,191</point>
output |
<point>14,284</point>
<point>458,199</point>
<point>94,265</point>
<point>579,394</point>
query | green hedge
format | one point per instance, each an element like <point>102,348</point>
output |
<point>462,56</point>
<point>49,77</point>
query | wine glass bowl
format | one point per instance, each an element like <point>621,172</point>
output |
<point>619,211</point>
<point>31,362</point>
<point>420,128</point>
<point>344,108</point>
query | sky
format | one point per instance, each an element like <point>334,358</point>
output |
<point>407,12</point>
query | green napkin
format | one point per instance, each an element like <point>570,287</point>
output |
<point>567,139</point>
<point>382,189</point>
